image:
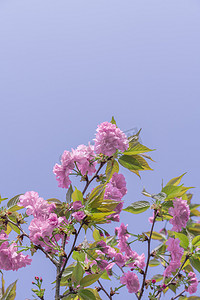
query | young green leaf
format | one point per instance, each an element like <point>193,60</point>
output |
<point>13,201</point>
<point>77,273</point>
<point>86,294</point>
<point>111,168</point>
<point>89,279</point>
<point>184,241</point>
<point>77,195</point>
<point>137,207</point>
<point>69,194</point>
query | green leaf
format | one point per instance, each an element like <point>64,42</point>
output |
<point>77,195</point>
<point>157,277</point>
<point>195,263</point>
<point>111,168</point>
<point>69,194</point>
<point>154,262</point>
<point>176,180</point>
<point>15,228</point>
<point>130,163</point>
<point>77,273</point>
<point>106,205</point>
<point>172,191</point>
<point>105,276</point>
<point>86,294</point>
<point>137,149</point>
<point>95,293</point>
<point>155,236</point>
<point>184,241</point>
<point>89,279</point>
<point>10,293</point>
<point>196,240</point>
<point>96,235</point>
<point>54,200</point>
<point>77,255</point>
<point>66,275</point>
<point>100,218</point>
<point>2,199</point>
<point>8,230</point>
<point>96,191</point>
<point>15,208</point>
<point>113,121</point>
<point>137,207</point>
<point>2,284</point>
<point>143,162</point>
<point>13,201</point>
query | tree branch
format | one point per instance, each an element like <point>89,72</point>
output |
<point>148,257</point>
<point>109,296</point>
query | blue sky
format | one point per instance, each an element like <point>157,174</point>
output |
<point>66,66</point>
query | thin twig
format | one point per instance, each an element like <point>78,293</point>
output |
<point>95,175</point>
<point>174,277</point>
<point>58,273</point>
<point>180,294</point>
<point>148,257</point>
<point>109,296</point>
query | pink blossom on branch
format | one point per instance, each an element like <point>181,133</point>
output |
<point>62,171</point>
<point>79,215</point>
<point>176,255</point>
<point>36,206</point>
<point>193,283</point>
<point>180,213</point>
<point>83,156</point>
<point>10,259</point>
<point>109,138</point>
<point>131,281</point>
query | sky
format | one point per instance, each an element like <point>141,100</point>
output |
<point>67,66</point>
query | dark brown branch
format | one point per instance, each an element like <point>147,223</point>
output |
<point>101,286</point>
<point>148,257</point>
<point>95,176</point>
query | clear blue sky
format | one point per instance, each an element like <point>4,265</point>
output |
<point>66,66</point>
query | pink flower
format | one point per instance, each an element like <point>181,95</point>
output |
<point>10,259</point>
<point>77,205</point>
<point>122,231</point>
<point>109,138</point>
<point>43,229</point>
<point>120,259</point>
<point>79,215</point>
<point>180,213</point>
<point>36,206</point>
<point>175,249</point>
<point>83,156</point>
<point>118,181</point>
<point>132,282</point>
<point>193,283</point>
<point>62,171</point>
<point>176,255</point>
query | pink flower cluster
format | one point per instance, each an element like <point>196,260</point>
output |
<point>9,258</point>
<point>176,255</point>
<point>109,138</point>
<point>180,213</point>
<point>83,157</point>
<point>193,283</point>
<point>131,257</point>
<point>132,282</point>
<point>78,215</point>
<point>115,190</point>
<point>108,257</point>
<point>44,222</point>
